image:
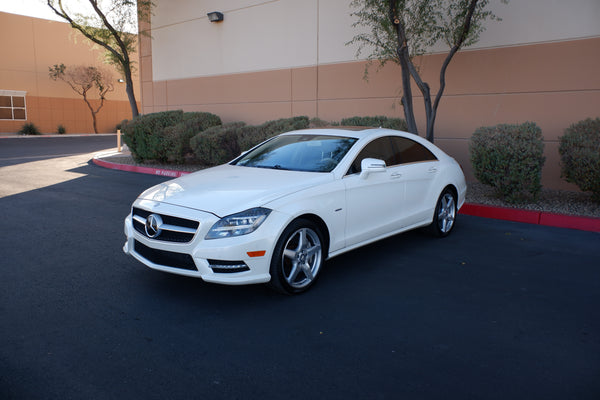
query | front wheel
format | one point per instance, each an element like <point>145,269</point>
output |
<point>297,258</point>
<point>445,213</point>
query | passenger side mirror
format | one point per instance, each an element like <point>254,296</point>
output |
<point>371,165</point>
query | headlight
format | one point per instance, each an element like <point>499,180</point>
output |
<point>238,224</point>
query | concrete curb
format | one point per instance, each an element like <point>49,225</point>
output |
<point>134,168</point>
<point>478,210</point>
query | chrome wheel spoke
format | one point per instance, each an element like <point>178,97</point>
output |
<point>301,239</point>
<point>293,273</point>
<point>307,271</point>
<point>301,258</point>
<point>288,253</point>
<point>310,252</point>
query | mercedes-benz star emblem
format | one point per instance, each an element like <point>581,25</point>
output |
<point>153,224</point>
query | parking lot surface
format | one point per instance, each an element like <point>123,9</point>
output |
<point>497,310</point>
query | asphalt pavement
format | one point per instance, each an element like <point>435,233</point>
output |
<point>497,310</point>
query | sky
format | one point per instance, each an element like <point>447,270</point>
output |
<point>40,9</point>
<point>31,8</point>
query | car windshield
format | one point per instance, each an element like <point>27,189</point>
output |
<point>313,153</point>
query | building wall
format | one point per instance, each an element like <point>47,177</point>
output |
<point>29,47</point>
<point>273,59</point>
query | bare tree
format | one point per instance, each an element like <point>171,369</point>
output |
<point>84,79</point>
<point>109,24</point>
<point>400,30</point>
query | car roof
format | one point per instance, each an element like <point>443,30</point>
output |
<point>357,132</point>
<point>366,134</point>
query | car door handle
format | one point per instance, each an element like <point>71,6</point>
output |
<point>396,175</point>
<point>432,170</point>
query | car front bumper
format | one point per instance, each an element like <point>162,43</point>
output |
<point>216,260</point>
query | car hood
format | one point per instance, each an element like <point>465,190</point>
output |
<point>228,189</point>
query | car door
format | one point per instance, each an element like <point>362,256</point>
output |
<point>418,169</point>
<point>373,202</point>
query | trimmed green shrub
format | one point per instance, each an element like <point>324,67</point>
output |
<point>510,159</point>
<point>177,137</point>
<point>61,130</point>
<point>164,136</point>
<point>580,156</point>
<point>143,134</point>
<point>319,123</point>
<point>29,129</point>
<point>250,137</point>
<point>379,121</point>
<point>217,145</point>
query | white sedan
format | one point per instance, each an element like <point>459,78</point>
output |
<point>278,211</point>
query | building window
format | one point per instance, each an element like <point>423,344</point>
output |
<point>12,105</point>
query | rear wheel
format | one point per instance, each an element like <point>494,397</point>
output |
<point>445,213</point>
<point>297,258</point>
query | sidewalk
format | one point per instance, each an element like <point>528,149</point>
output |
<point>477,210</point>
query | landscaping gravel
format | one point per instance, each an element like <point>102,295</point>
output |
<point>549,200</point>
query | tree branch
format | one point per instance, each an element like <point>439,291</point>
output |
<point>63,14</point>
<point>466,27</point>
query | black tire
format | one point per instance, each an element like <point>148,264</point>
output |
<point>297,258</point>
<point>444,217</point>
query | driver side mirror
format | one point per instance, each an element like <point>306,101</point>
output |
<point>371,165</point>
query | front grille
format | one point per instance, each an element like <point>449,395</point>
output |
<point>165,258</point>
<point>174,229</point>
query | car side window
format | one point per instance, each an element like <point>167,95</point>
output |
<point>381,149</point>
<point>409,151</point>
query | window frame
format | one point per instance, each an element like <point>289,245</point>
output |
<point>12,94</point>
<point>397,153</point>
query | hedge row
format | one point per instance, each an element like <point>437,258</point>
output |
<point>507,157</point>
<point>164,136</point>
<point>378,121</point>
<point>220,144</point>
<point>177,137</point>
<point>510,158</point>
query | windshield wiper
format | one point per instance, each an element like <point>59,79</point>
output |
<point>276,166</point>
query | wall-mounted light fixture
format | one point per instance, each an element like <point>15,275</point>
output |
<point>120,81</point>
<point>215,16</point>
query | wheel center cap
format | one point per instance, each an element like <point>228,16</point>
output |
<point>302,257</point>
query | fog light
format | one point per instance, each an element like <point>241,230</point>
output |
<point>227,267</point>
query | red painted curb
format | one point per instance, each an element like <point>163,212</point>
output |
<point>142,170</point>
<point>532,217</point>
<point>477,210</point>
<point>570,221</point>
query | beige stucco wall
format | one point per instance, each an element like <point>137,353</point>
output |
<point>260,64</point>
<point>29,47</point>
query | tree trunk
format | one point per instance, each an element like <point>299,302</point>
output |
<point>94,122</point>
<point>404,57</point>
<point>130,94</point>
<point>84,94</point>
<point>407,102</point>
